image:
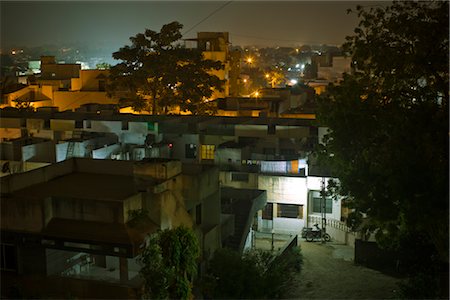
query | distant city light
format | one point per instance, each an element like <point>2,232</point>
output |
<point>267,75</point>
<point>294,81</point>
<point>249,60</point>
<point>297,66</point>
<point>245,80</point>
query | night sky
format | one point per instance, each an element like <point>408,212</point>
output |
<point>111,23</point>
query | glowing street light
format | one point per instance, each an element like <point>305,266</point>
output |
<point>249,60</point>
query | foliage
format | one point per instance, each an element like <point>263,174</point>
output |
<point>388,138</point>
<point>157,73</point>
<point>275,77</point>
<point>24,105</point>
<point>255,274</point>
<point>169,263</point>
<point>103,66</point>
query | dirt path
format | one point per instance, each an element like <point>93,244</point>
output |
<point>328,273</point>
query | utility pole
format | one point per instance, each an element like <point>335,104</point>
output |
<point>323,209</point>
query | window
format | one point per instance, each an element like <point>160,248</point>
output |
<point>271,129</point>
<point>317,203</point>
<point>8,257</point>
<point>269,151</point>
<point>101,85</point>
<point>88,124</point>
<point>290,211</point>
<point>239,177</point>
<point>191,150</point>
<point>267,213</point>
<point>78,123</point>
<point>208,151</point>
<point>198,214</point>
<point>124,125</point>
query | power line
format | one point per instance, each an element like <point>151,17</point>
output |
<point>207,17</point>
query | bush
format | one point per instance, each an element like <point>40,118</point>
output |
<point>255,274</point>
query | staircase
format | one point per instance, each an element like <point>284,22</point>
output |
<point>242,213</point>
<point>70,149</point>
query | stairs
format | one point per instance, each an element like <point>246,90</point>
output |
<point>241,208</point>
<point>70,149</point>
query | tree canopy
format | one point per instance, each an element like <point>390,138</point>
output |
<point>169,264</point>
<point>388,124</point>
<point>157,73</point>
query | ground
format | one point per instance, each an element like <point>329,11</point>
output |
<point>329,273</point>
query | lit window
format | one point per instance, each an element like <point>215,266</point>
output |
<point>208,151</point>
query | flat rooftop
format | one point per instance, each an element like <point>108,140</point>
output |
<point>82,185</point>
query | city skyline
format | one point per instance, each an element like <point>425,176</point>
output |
<point>111,23</point>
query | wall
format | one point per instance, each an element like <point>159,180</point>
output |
<point>67,100</point>
<point>40,152</point>
<point>226,180</point>
<point>315,184</point>
<point>105,152</point>
<point>10,133</point>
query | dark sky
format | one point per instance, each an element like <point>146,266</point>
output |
<point>265,23</point>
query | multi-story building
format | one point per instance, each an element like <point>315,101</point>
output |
<point>78,225</point>
<point>268,154</point>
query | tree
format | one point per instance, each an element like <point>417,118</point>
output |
<point>157,73</point>
<point>169,263</point>
<point>255,274</point>
<point>103,66</point>
<point>388,138</point>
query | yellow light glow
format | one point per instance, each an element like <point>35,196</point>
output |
<point>249,60</point>
<point>267,75</point>
<point>256,93</point>
<point>245,80</point>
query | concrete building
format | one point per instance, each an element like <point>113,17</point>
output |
<point>268,154</point>
<point>78,225</point>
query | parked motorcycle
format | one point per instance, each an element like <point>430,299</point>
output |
<point>311,234</point>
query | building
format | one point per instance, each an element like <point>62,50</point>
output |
<point>269,154</point>
<point>78,225</point>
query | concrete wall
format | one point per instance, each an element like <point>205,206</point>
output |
<point>68,100</point>
<point>10,133</point>
<point>105,152</point>
<point>87,210</point>
<point>40,152</point>
<point>226,180</point>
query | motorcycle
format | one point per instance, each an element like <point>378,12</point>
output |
<point>311,234</point>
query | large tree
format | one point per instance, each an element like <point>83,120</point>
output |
<point>388,138</point>
<point>169,264</point>
<point>157,73</point>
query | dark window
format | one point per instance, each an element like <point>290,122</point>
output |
<point>101,85</point>
<point>124,125</point>
<point>287,151</point>
<point>198,214</point>
<point>271,129</point>
<point>317,202</point>
<point>88,124</point>
<point>191,150</point>
<point>267,213</point>
<point>78,124</point>
<point>8,257</point>
<point>269,151</point>
<point>290,211</point>
<point>239,177</point>
<point>46,124</point>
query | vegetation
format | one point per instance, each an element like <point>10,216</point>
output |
<point>388,138</point>
<point>157,73</point>
<point>256,274</point>
<point>169,264</point>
